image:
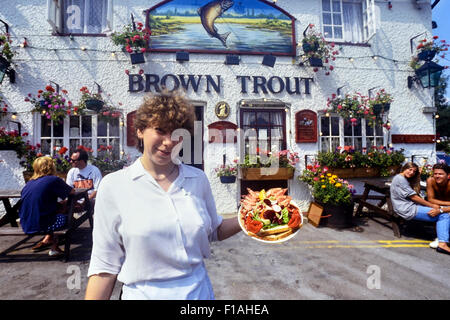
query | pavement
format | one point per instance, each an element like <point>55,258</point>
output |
<point>317,264</point>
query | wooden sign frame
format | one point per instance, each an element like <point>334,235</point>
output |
<point>315,214</point>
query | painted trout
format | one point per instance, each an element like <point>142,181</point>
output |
<point>208,15</point>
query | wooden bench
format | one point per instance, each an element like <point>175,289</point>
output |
<point>384,198</point>
<point>72,224</point>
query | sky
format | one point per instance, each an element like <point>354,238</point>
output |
<point>441,16</point>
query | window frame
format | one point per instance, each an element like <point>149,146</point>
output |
<point>67,137</point>
<point>364,136</point>
<point>369,25</point>
<point>55,19</point>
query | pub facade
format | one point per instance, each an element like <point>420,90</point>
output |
<point>243,66</point>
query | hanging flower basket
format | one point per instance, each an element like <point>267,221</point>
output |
<point>94,104</point>
<point>310,47</point>
<point>137,57</point>
<point>227,179</point>
<point>315,62</point>
<point>4,64</point>
<point>426,54</point>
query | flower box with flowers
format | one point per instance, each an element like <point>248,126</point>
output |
<point>60,158</point>
<point>109,114</point>
<point>12,140</point>
<point>53,105</point>
<point>107,161</point>
<point>348,163</point>
<point>279,166</point>
<point>317,52</point>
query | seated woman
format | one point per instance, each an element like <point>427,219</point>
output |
<point>38,212</point>
<point>409,205</point>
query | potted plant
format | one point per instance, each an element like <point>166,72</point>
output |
<point>278,166</point>
<point>109,114</point>
<point>353,107</point>
<point>6,55</point>
<point>317,52</point>
<point>90,101</point>
<point>106,161</point>
<point>134,39</point>
<point>12,140</point>
<point>381,103</point>
<point>426,50</point>
<point>332,193</point>
<point>53,105</point>
<point>227,172</point>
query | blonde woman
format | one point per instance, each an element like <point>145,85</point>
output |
<point>154,220</point>
<point>38,212</point>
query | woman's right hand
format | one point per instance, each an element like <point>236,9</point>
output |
<point>434,212</point>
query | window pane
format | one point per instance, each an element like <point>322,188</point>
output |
<point>46,130</point>
<point>87,143</point>
<point>379,130</point>
<point>114,127</point>
<point>101,142</point>
<point>328,32</point>
<point>74,130</point>
<point>115,148</point>
<point>336,6</point>
<point>86,125</point>
<point>357,130</point>
<point>46,146</point>
<point>327,18</point>
<point>337,32</point>
<point>101,128</point>
<point>334,143</point>
<point>249,118</point>
<point>369,129</point>
<point>325,144</point>
<point>73,144</point>
<point>262,118</point>
<point>58,143</point>
<point>337,19</point>
<point>326,5</point>
<point>335,126</point>
<point>58,129</point>
<point>347,128</point>
<point>369,143</point>
<point>348,141</point>
<point>325,126</point>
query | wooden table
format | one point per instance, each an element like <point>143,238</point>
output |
<point>12,212</point>
<point>382,188</point>
<point>72,224</point>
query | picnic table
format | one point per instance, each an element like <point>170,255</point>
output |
<point>72,224</point>
<point>12,212</point>
<point>381,187</point>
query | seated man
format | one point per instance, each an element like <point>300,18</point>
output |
<point>438,189</point>
<point>83,175</point>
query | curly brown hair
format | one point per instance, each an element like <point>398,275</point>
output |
<point>168,110</point>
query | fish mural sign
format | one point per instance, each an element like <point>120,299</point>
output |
<point>221,26</point>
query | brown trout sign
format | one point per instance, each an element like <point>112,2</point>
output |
<point>209,83</point>
<point>221,26</point>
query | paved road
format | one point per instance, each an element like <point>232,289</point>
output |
<point>318,263</point>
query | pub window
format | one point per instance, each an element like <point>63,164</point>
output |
<point>267,126</point>
<point>335,132</point>
<point>78,17</point>
<point>87,130</point>
<point>348,20</point>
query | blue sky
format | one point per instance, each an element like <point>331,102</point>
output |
<point>441,15</point>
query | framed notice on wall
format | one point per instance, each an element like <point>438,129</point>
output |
<point>305,126</point>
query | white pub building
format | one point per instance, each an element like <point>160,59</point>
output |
<point>242,65</point>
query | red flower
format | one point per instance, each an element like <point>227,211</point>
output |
<point>62,150</point>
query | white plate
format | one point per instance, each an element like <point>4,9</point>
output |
<point>274,241</point>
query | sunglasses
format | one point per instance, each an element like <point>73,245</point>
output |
<point>74,160</point>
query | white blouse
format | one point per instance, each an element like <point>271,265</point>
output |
<point>154,240</point>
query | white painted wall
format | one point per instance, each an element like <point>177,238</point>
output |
<point>73,68</point>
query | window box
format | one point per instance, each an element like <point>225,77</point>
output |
<point>257,174</point>
<point>349,173</point>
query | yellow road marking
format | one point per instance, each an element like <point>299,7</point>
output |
<point>328,244</point>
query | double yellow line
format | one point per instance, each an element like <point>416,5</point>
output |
<point>327,244</point>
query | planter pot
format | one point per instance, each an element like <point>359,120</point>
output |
<point>381,108</point>
<point>315,62</point>
<point>4,65</point>
<point>310,47</point>
<point>28,174</point>
<point>137,57</point>
<point>227,179</point>
<point>426,55</point>
<point>386,107</point>
<point>337,216</point>
<point>94,104</point>
<point>268,174</point>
